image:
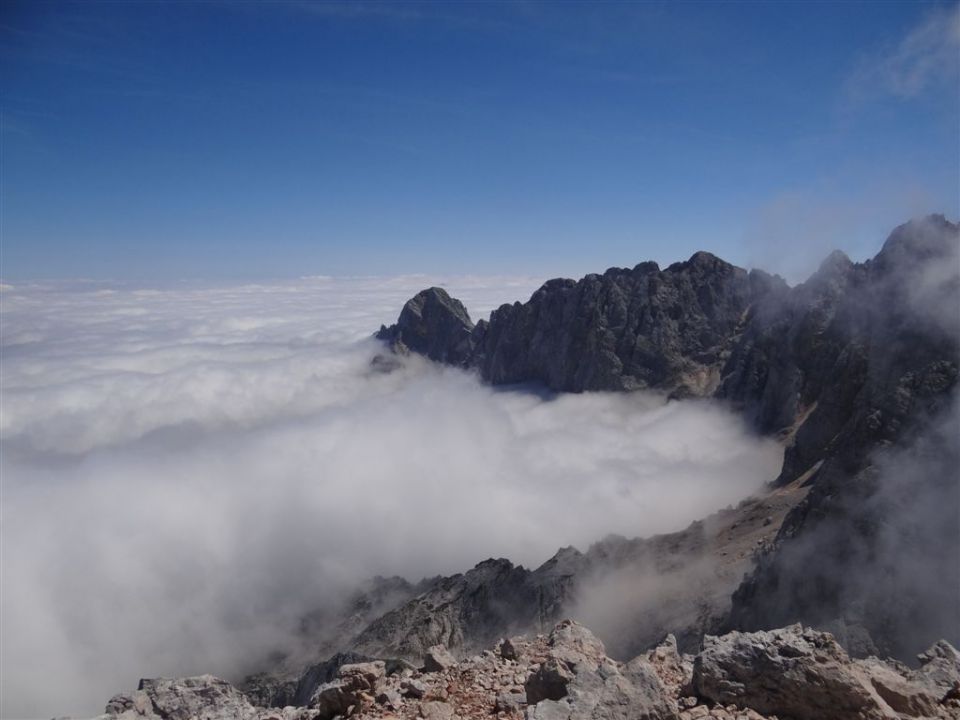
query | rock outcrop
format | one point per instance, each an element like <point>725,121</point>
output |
<point>793,672</point>
<point>434,325</point>
<point>470,611</point>
<point>576,679</point>
<point>195,698</point>
<point>805,674</point>
<point>623,330</point>
<point>356,683</point>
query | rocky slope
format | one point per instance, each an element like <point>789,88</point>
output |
<point>696,571</point>
<point>856,369</point>
<point>788,673</point>
<point>874,551</point>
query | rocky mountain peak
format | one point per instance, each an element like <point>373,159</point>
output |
<point>432,324</point>
<point>704,262</point>
<point>919,241</point>
<point>836,263</point>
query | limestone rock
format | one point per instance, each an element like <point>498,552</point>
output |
<point>413,688</point>
<point>355,686</point>
<point>510,701</point>
<point>434,325</point>
<point>437,710</point>
<point>363,676</point>
<point>391,698</point>
<point>577,680</point>
<point>939,669</point>
<point>438,659</point>
<point>803,674</point>
<point>469,611</point>
<point>204,697</point>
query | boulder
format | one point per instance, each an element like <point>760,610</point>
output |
<point>436,710</point>
<point>412,688</point>
<point>390,698</point>
<point>577,680</point>
<point>355,686</point>
<point>363,676</point>
<point>438,659</point>
<point>507,650</point>
<point>804,674</point>
<point>194,698</point>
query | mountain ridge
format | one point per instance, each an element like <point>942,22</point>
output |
<point>853,361</point>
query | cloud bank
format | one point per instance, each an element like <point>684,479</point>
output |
<point>188,472</point>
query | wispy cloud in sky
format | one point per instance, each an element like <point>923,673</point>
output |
<point>926,59</point>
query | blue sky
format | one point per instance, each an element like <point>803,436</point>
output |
<point>157,141</point>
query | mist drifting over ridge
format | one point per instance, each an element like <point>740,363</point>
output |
<point>188,472</point>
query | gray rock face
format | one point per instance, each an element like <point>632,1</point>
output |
<point>577,680</point>
<point>330,631</point>
<point>356,683</point>
<point>573,649</point>
<point>434,325</point>
<point>510,702</point>
<point>437,710</point>
<point>438,659</point>
<point>196,698</point>
<point>413,688</point>
<point>315,676</point>
<point>805,674</point>
<point>623,330</point>
<point>365,675</point>
<point>854,354</point>
<point>267,689</point>
<point>471,611</point>
<point>939,670</point>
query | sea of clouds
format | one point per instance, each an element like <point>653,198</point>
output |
<point>188,471</point>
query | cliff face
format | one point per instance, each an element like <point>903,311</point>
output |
<point>860,359</point>
<point>849,358</point>
<point>623,330</point>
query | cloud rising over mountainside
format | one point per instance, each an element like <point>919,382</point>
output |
<point>187,472</point>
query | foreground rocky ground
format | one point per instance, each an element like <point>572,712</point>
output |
<point>789,673</point>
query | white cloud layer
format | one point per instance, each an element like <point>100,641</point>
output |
<point>187,472</point>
